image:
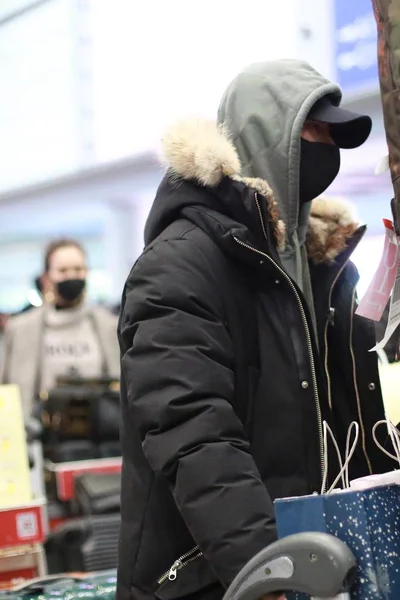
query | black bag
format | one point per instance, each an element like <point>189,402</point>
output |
<point>80,409</point>
<point>88,544</point>
<point>98,493</point>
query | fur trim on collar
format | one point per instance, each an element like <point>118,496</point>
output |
<point>332,223</point>
<point>201,151</point>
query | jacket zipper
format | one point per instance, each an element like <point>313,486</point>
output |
<point>307,331</point>
<point>353,358</point>
<point>179,564</point>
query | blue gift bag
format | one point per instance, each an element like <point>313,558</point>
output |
<point>368,521</point>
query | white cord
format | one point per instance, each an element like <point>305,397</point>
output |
<point>382,356</point>
<point>344,471</point>
<point>327,430</point>
<point>394,436</point>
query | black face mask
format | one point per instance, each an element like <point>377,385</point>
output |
<point>71,289</point>
<point>319,165</point>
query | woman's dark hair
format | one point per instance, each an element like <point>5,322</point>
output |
<point>57,245</point>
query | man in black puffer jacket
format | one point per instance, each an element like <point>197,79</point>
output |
<point>238,335</point>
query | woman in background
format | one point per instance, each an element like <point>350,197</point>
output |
<point>65,336</point>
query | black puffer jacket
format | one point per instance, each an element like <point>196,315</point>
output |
<point>224,384</point>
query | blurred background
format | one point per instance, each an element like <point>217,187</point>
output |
<point>87,87</point>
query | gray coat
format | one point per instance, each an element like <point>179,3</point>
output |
<point>21,350</point>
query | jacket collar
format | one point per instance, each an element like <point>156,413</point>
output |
<point>201,151</point>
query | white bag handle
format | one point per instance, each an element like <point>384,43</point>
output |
<point>394,436</point>
<point>382,356</point>
<point>327,430</point>
<point>349,455</point>
<point>344,468</point>
<point>350,451</point>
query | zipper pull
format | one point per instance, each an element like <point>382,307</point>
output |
<point>331,316</point>
<point>173,570</point>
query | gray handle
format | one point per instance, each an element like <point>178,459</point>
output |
<point>316,564</point>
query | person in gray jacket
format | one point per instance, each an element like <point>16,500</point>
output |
<point>63,337</point>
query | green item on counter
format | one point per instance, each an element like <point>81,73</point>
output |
<point>97,586</point>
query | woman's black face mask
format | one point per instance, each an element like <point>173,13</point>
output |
<point>71,289</point>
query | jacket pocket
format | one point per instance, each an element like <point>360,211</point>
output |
<point>191,579</point>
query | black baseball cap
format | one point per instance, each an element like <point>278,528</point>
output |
<point>347,128</point>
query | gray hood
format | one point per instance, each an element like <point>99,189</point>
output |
<point>264,110</point>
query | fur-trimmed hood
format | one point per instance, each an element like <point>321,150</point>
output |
<point>201,151</point>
